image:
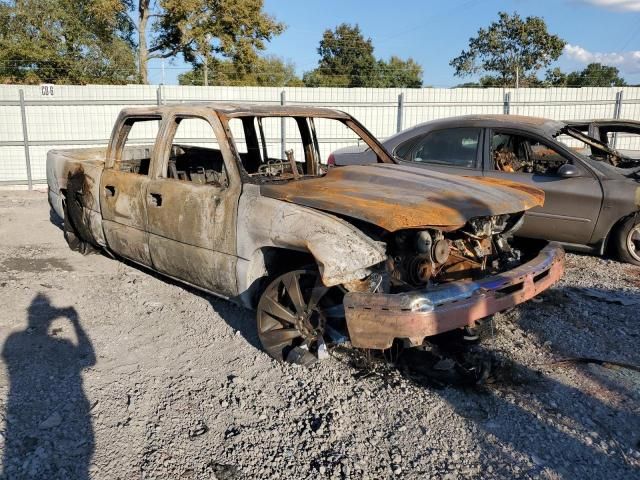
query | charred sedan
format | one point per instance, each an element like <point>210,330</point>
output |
<point>620,137</point>
<point>367,254</point>
<point>592,191</point>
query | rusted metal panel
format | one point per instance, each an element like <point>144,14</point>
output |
<point>122,198</point>
<point>395,197</point>
<point>374,320</point>
<point>343,252</point>
<point>204,268</point>
<point>80,179</point>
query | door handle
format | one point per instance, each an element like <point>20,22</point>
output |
<point>156,199</point>
<point>110,190</point>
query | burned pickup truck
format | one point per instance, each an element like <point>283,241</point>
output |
<point>211,195</point>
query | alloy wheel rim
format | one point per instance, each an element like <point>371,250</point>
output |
<point>633,242</point>
<point>293,312</point>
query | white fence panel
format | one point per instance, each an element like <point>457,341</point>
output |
<point>84,115</point>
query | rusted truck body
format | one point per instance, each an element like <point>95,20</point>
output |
<point>368,254</point>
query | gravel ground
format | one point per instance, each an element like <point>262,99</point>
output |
<point>109,372</point>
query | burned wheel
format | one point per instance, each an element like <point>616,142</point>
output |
<point>298,316</point>
<point>628,241</point>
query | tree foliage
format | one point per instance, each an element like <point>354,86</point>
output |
<point>508,50</point>
<point>203,31</point>
<point>594,75</point>
<point>268,71</point>
<point>347,60</point>
<point>66,41</point>
<point>398,73</point>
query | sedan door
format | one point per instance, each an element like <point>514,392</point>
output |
<point>573,194</point>
<point>452,150</point>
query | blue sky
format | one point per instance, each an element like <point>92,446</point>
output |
<point>433,32</point>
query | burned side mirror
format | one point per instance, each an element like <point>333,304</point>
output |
<point>568,170</point>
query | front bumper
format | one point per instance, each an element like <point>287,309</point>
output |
<point>374,320</point>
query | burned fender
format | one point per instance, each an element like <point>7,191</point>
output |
<point>343,253</point>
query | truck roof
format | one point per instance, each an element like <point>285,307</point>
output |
<point>241,110</point>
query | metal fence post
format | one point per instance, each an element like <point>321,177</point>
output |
<point>25,139</point>
<point>507,103</point>
<point>283,127</point>
<point>400,112</point>
<point>159,95</point>
<point>617,112</point>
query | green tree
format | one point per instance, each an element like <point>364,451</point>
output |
<point>529,81</point>
<point>509,50</point>
<point>398,73</point>
<point>347,60</point>
<point>555,78</point>
<point>203,31</point>
<point>596,75</point>
<point>268,71</point>
<point>66,41</point>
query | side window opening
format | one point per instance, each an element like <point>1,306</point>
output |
<point>456,147</point>
<point>133,154</point>
<point>259,143</point>
<point>195,154</point>
<point>518,154</point>
<point>622,139</point>
<point>274,148</point>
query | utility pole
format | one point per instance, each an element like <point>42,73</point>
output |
<point>206,61</point>
<point>517,75</point>
<point>206,69</point>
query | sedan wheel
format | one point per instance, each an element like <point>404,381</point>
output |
<point>296,315</point>
<point>633,242</point>
<point>628,240</point>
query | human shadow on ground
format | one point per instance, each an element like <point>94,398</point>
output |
<point>48,428</point>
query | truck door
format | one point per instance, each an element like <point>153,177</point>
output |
<point>123,186</point>
<point>191,204</point>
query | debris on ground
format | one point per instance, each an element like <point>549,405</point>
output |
<point>170,383</point>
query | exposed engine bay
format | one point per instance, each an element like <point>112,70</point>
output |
<point>419,258</point>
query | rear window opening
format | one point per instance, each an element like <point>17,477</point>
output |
<point>135,145</point>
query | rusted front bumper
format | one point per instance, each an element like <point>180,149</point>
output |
<point>374,320</point>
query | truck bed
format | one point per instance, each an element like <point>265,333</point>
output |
<point>60,163</point>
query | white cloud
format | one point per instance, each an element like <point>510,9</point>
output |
<point>623,5</point>
<point>627,62</point>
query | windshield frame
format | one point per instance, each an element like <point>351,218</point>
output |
<point>593,144</point>
<point>310,142</point>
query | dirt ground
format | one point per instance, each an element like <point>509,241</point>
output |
<point>109,372</point>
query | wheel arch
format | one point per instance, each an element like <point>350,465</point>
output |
<point>267,263</point>
<point>605,246</point>
<point>272,233</point>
